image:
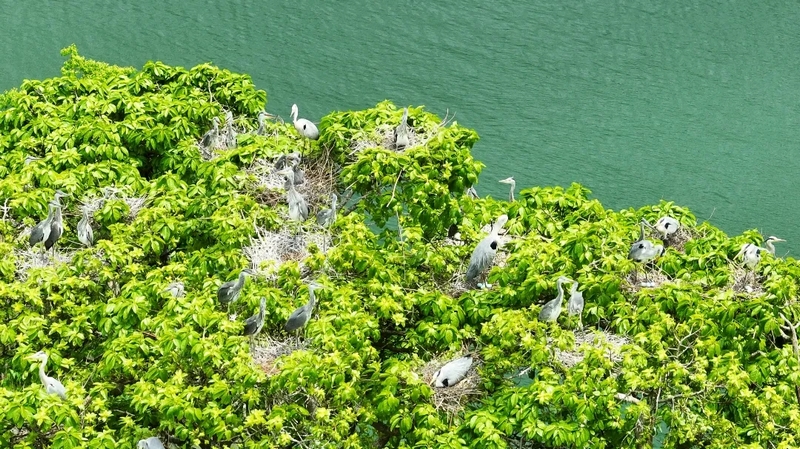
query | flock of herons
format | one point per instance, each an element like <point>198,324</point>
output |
<point>50,230</point>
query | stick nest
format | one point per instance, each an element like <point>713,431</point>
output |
<point>745,281</point>
<point>32,258</point>
<point>635,280</point>
<point>452,399</point>
<point>599,339</point>
<point>383,136</point>
<point>275,248</point>
<point>92,204</point>
<point>268,349</point>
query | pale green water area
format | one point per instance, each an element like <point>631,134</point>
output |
<point>695,102</point>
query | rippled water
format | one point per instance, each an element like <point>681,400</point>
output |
<point>690,101</point>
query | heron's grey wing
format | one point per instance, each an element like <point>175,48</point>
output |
<point>322,217</point>
<point>548,310</point>
<point>296,319</point>
<point>575,304</point>
<point>54,386</point>
<point>224,292</point>
<point>37,234</point>
<point>303,209</point>
<point>482,257</point>
<point>251,324</point>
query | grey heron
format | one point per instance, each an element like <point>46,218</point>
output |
<point>326,217</point>
<point>58,195</point>
<point>510,181</point>
<point>667,226</point>
<point>452,372</point>
<point>303,126</point>
<point>300,317</point>
<point>401,139</point>
<point>262,117</point>
<point>575,303</point>
<point>552,309</point>
<point>472,193</point>
<point>210,138</point>
<point>769,243</point>
<point>230,133</point>
<point>644,250</point>
<point>41,231</point>
<point>286,160</point>
<point>56,228</point>
<point>176,289</point>
<point>85,233</point>
<point>51,384</point>
<point>30,159</point>
<point>483,255</point>
<point>298,208</point>
<point>751,254</point>
<point>253,325</point>
<point>150,443</point>
<point>229,292</point>
<point>299,176</point>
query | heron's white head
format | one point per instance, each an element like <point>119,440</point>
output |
<point>774,239</point>
<point>40,356</point>
<point>501,221</point>
<point>509,180</point>
<point>59,194</point>
<point>229,117</point>
<point>294,112</point>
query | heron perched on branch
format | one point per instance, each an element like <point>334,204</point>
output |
<point>401,139</point>
<point>253,325</point>
<point>298,208</point>
<point>56,228</point>
<point>552,309</point>
<point>210,138</point>
<point>510,181</point>
<point>150,443</point>
<point>483,255</point>
<point>51,384</point>
<point>305,127</point>
<point>230,133</point>
<point>326,217</point>
<point>667,226</point>
<point>229,292</point>
<point>300,317</point>
<point>85,233</point>
<point>644,250</point>
<point>452,372</point>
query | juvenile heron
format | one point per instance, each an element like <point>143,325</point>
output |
<point>210,138</point>
<point>326,217</point>
<point>644,250</point>
<point>229,292</point>
<point>299,318</point>
<point>56,228</point>
<point>58,195</point>
<point>299,176</point>
<point>262,117</point>
<point>150,443</point>
<point>667,226</point>
<point>253,325</point>
<point>452,372</point>
<point>51,384</point>
<point>287,160</point>
<point>176,289</point>
<point>575,303</point>
<point>552,309</point>
<point>401,139</point>
<point>303,126</point>
<point>472,193</point>
<point>85,234</point>
<point>298,208</point>
<point>510,181</point>
<point>41,231</point>
<point>483,255</point>
<point>230,133</point>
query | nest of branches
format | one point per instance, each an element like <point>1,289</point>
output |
<point>384,137</point>
<point>452,399</point>
<point>268,349</point>
<point>33,258</point>
<point>268,249</point>
<point>595,338</point>
<point>91,204</point>
<point>745,281</point>
<point>638,279</point>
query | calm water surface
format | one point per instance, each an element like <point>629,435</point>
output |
<point>694,102</point>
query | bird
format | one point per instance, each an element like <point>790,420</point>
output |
<point>552,309</point>
<point>575,303</point>
<point>298,208</point>
<point>286,160</point>
<point>253,325</point>
<point>41,231</point>
<point>326,217</point>
<point>210,138</point>
<point>230,133</point>
<point>58,195</point>
<point>303,126</point>
<point>56,228</point>
<point>769,243</point>
<point>299,176</point>
<point>228,292</point>
<point>472,193</point>
<point>176,289</point>
<point>150,443</point>
<point>510,181</point>
<point>452,372</point>
<point>667,226</point>
<point>484,252</point>
<point>30,159</point>
<point>262,116</point>
<point>85,234</point>
<point>401,139</point>
<point>751,254</point>
<point>644,250</point>
<point>299,318</point>
<point>51,385</point>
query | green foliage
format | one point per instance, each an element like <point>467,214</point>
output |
<point>705,365</point>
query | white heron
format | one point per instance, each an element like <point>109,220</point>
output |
<point>452,372</point>
<point>51,384</point>
<point>510,181</point>
<point>667,227</point>
<point>401,139</point>
<point>483,255</point>
<point>150,443</point>
<point>552,309</point>
<point>305,127</point>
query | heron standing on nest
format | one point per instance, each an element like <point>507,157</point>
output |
<point>85,234</point>
<point>326,217</point>
<point>452,372</point>
<point>210,138</point>
<point>576,303</point>
<point>306,128</point>
<point>644,250</point>
<point>254,324</point>
<point>298,208</point>
<point>401,139</point>
<point>300,317</point>
<point>552,309</point>
<point>56,228</point>
<point>667,227</point>
<point>229,292</point>
<point>483,255</point>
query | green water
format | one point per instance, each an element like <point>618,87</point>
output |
<point>690,101</point>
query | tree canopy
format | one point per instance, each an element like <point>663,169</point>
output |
<point>697,356</point>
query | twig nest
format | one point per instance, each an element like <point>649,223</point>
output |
<point>268,349</point>
<point>32,258</point>
<point>643,277</point>
<point>452,399</point>
<point>92,204</point>
<point>598,338</point>
<point>745,281</point>
<point>275,248</point>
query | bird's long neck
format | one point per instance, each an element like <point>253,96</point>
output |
<point>641,231</point>
<point>42,375</point>
<point>770,247</point>
<point>560,292</point>
<point>240,282</point>
<point>294,115</point>
<point>334,202</point>
<point>312,300</point>
<point>574,288</point>
<point>511,193</point>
